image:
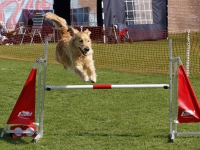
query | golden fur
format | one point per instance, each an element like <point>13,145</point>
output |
<point>74,52</point>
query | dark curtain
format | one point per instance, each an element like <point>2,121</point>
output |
<point>62,9</point>
<point>114,12</point>
<point>155,31</point>
<point>159,17</point>
<point>99,13</point>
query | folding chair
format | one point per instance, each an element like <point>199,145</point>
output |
<point>34,30</point>
<point>56,34</point>
<point>118,32</point>
<point>112,37</point>
<point>123,35</point>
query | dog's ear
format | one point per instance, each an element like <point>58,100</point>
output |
<point>87,31</point>
<point>73,30</point>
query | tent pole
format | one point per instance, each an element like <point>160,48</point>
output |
<point>104,34</point>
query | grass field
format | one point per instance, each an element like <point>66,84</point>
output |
<point>83,119</point>
<point>118,119</point>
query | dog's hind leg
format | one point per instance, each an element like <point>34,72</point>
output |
<point>66,68</point>
<point>81,73</point>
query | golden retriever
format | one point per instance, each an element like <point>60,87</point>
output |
<point>74,52</point>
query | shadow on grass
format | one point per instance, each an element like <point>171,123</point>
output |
<point>170,140</point>
<point>9,139</point>
<point>166,137</point>
<point>104,135</point>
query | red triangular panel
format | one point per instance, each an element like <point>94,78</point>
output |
<point>24,110</point>
<point>188,105</point>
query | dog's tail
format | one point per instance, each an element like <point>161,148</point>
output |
<point>60,22</point>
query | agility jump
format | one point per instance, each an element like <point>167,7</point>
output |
<point>108,86</point>
<point>34,126</point>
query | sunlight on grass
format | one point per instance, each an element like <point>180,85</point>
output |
<point>95,119</point>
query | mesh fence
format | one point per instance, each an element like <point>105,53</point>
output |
<point>137,53</point>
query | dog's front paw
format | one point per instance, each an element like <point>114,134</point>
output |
<point>86,79</point>
<point>93,80</point>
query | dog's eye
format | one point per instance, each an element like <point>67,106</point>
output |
<point>81,41</point>
<point>88,40</point>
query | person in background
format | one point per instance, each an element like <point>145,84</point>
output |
<point>3,39</point>
<point>3,31</point>
<point>31,16</point>
<point>30,20</point>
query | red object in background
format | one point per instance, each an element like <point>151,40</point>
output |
<point>24,110</point>
<point>188,105</point>
<point>123,32</point>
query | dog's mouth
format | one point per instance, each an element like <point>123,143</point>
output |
<point>84,51</point>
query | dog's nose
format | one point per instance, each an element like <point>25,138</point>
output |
<point>87,49</point>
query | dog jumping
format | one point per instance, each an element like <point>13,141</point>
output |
<point>74,52</point>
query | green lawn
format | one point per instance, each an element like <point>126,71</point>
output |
<point>102,119</point>
<point>85,119</point>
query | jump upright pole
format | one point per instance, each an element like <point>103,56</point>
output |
<point>173,102</point>
<point>41,117</point>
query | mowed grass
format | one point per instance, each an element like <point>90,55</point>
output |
<point>83,119</point>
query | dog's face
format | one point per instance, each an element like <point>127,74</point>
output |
<point>82,41</point>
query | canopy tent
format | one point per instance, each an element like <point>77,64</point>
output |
<point>120,11</point>
<point>152,16</point>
